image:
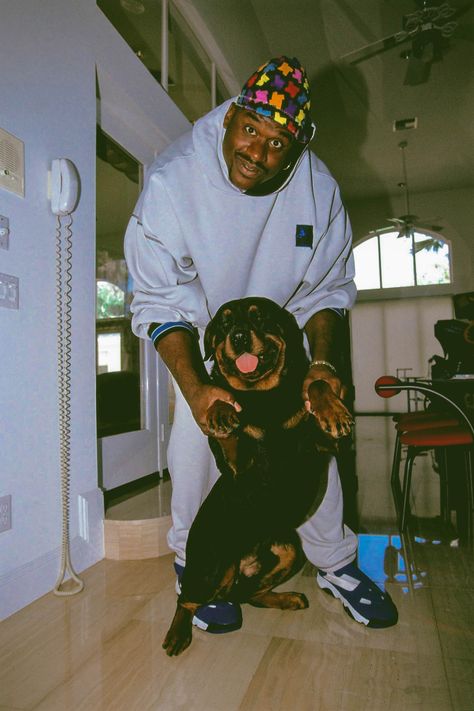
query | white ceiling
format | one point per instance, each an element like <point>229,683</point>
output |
<point>354,106</point>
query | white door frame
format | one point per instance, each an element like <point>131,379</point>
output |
<point>141,129</point>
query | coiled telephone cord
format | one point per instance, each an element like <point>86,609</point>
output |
<point>63,312</point>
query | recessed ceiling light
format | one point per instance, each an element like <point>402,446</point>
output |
<point>134,6</point>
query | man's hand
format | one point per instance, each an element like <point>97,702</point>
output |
<point>180,352</point>
<point>202,398</point>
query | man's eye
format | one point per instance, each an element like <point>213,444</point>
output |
<point>251,130</point>
<point>276,143</point>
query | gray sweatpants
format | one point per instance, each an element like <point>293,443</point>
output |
<point>327,542</point>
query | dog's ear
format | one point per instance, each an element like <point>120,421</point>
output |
<point>209,339</point>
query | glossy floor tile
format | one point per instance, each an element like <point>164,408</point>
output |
<point>101,650</point>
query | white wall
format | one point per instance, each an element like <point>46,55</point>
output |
<point>392,334</point>
<point>47,82</point>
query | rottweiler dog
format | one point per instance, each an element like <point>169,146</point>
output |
<point>273,458</point>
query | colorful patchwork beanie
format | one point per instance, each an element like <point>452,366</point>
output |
<point>279,90</point>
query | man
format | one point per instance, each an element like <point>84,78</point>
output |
<point>240,207</point>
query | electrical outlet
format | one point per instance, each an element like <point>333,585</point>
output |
<point>4,232</point>
<point>5,513</point>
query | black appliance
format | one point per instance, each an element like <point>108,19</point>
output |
<point>458,351</point>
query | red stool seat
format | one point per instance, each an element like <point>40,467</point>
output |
<point>438,421</point>
<point>423,417</point>
<point>437,437</point>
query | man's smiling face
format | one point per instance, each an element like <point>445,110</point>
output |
<point>255,148</point>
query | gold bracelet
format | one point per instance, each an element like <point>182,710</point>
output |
<point>325,364</point>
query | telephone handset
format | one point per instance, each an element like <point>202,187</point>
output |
<point>64,186</point>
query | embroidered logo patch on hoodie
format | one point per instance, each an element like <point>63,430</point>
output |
<point>304,235</point>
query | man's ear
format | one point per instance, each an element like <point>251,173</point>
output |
<point>229,115</point>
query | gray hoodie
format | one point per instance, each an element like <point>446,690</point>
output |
<point>195,240</point>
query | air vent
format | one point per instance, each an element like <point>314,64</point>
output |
<point>405,124</point>
<point>12,163</point>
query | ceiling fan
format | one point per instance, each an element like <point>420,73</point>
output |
<point>409,223</point>
<point>428,28</point>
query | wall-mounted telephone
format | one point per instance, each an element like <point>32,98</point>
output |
<point>64,186</point>
<point>64,190</point>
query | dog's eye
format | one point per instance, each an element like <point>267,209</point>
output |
<point>255,316</point>
<point>227,319</point>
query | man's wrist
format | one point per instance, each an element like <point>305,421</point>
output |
<point>318,363</point>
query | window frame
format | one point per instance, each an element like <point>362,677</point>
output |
<point>382,293</point>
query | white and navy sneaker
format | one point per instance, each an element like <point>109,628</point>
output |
<point>362,599</point>
<point>218,617</point>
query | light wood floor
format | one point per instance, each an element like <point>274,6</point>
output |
<point>101,650</point>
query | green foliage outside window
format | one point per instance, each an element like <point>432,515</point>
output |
<point>110,300</point>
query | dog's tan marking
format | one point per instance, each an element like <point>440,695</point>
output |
<point>250,565</point>
<point>225,355</point>
<point>227,581</point>
<point>254,431</point>
<point>284,569</point>
<point>281,600</point>
<point>190,606</point>
<point>229,446</point>
<point>295,419</point>
<point>286,555</point>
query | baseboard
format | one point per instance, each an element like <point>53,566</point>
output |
<point>28,582</point>
<point>23,585</point>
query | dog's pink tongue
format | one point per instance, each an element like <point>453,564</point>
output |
<point>247,363</point>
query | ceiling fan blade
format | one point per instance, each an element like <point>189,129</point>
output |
<point>369,50</point>
<point>408,219</point>
<point>381,230</point>
<point>460,11</point>
<point>427,244</point>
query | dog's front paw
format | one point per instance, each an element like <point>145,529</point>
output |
<point>179,635</point>
<point>330,412</point>
<point>222,419</point>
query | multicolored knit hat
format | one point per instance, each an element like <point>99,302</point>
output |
<point>279,90</point>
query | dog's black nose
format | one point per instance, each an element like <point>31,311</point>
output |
<point>240,340</point>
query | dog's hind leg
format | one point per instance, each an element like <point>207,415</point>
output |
<point>290,560</point>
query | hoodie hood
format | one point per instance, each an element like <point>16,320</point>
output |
<point>208,135</point>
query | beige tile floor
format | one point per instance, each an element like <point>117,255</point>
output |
<point>101,650</point>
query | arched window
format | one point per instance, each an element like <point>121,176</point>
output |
<point>387,260</point>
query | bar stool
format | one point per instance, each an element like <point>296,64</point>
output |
<point>440,439</point>
<point>422,431</point>
<point>412,422</point>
